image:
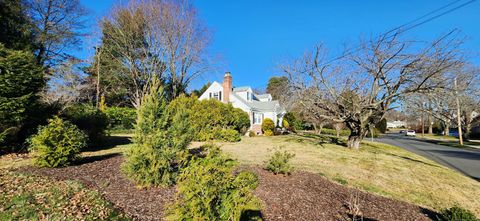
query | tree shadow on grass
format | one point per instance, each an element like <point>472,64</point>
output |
<point>110,142</point>
<point>91,159</point>
<point>321,139</point>
<point>411,159</point>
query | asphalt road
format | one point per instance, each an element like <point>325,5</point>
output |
<point>467,161</point>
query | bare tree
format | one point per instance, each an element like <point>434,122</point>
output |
<point>58,25</point>
<point>65,84</point>
<point>359,89</point>
<point>153,39</point>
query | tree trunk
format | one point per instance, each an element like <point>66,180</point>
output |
<point>356,136</point>
<point>354,141</point>
<point>430,124</point>
<point>447,130</point>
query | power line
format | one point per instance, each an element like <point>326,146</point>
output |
<point>398,30</point>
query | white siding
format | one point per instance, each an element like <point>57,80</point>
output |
<point>214,88</point>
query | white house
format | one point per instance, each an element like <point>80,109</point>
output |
<point>258,106</point>
<point>396,124</point>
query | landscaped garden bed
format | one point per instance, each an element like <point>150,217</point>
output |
<point>300,196</point>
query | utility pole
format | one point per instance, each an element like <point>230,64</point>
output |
<point>97,96</point>
<point>459,120</point>
<point>423,122</point>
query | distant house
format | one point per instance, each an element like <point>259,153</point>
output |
<point>258,106</point>
<point>396,124</point>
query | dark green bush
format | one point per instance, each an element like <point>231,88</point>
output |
<point>21,79</point>
<point>207,116</point>
<point>121,117</point>
<point>382,126</point>
<point>57,144</point>
<point>268,125</point>
<point>252,134</point>
<point>209,189</point>
<point>160,142</point>
<point>457,213</point>
<point>88,119</point>
<point>376,133</point>
<point>279,162</point>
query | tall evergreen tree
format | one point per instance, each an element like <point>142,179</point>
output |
<point>161,141</point>
<point>20,81</point>
<point>15,25</point>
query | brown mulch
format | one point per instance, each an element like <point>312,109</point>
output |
<point>300,196</point>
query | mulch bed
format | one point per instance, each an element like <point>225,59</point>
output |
<point>300,196</point>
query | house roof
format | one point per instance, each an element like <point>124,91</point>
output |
<point>243,88</point>
<point>270,106</point>
<point>260,96</point>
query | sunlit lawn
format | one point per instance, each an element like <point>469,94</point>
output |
<point>386,170</point>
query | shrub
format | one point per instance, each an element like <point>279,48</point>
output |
<point>252,134</point>
<point>286,124</point>
<point>229,135</point>
<point>328,131</point>
<point>268,133</point>
<point>456,213</point>
<point>376,133</point>
<point>57,144</point>
<point>279,162</point>
<point>207,116</point>
<point>209,189</point>
<point>121,117</point>
<point>382,126</point>
<point>88,119</point>
<point>268,125</point>
<point>160,142</point>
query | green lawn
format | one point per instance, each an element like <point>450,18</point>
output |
<point>378,168</point>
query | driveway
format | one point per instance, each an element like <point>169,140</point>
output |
<point>467,161</point>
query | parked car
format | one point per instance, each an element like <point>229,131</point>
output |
<point>410,133</point>
<point>402,131</point>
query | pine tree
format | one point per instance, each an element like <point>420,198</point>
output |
<point>20,81</point>
<point>161,141</point>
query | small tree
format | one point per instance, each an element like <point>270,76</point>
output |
<point>57,144</point>
<point>161,141</point>
<point>209,189</point>
<point>268,126</point>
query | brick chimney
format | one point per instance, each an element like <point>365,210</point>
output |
<point>227,87</point>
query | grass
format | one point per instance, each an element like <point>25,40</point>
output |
<point>378,168</point>
<point>447,140</point>
<point>27,197</point>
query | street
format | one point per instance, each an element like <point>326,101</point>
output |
<point>466,161</point>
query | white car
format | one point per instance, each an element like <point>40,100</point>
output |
<point>410,133</point>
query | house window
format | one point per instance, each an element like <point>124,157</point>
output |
<point>257,118</point>
<point>210,95</point>
<point>216,96</point>
<point>220,94</point>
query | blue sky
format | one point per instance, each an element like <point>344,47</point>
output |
<point>252,37</point>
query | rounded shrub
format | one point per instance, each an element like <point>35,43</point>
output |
<point>279,162</point>
<point>57,144</point>
<point>286,124</point>
<point>88,119</point>
<point>121,117</point>
<point>209,189</point>
<point>207,116</point>
<point>268,133</point>
<point>456,213</point>
<point>268,125</point>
